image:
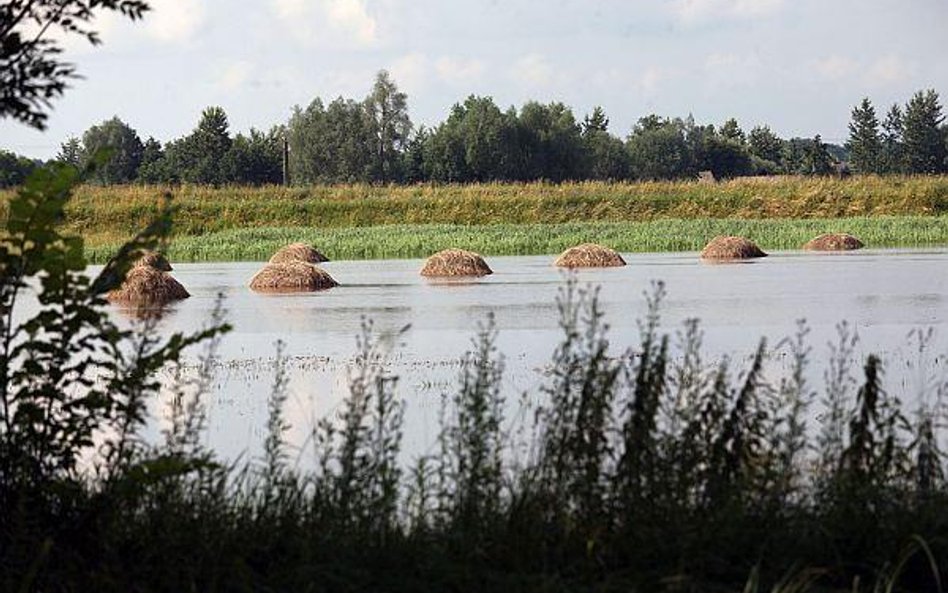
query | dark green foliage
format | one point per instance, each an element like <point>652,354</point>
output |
<point>330,144</point>
<point>865,144</point>
<point>255,159</point>
<point>923,140</point>
<point>150,170</point>
<point>120,142</point>
<point>72,385</point>
<point>659,150</point>
<point>389,127</point>
<point>606,156</point>
<point>70,152</point>
<point>816,158</point>
<point>14,169</point>
<point>31,71</point>
<point>893,154</point>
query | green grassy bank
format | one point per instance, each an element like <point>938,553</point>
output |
<point>359,221</point>
<point>414,241</point>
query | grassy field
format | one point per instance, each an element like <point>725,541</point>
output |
<point>415,241</point>
<point>359,221</point>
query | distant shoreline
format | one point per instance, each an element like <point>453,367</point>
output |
<point>376,221</point>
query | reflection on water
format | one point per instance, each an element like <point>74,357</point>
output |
<point>883,294</point>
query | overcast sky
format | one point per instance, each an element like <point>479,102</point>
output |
<point>797,65</point>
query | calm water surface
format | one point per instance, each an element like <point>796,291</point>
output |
<point>885,294</point>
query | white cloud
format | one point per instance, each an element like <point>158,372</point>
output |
<point>330,22</point>
<point>288,9</point>
<point>889,70</point>
<point>410,72</point>
<point>533,70</point>
<point>352,17</point>
<point>174,21</point>
<point>460,72</point>
<point>235,75</point>
<point>836,67</point>
<point>699,11</point>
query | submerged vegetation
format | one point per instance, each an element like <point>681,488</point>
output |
<point>635,470</point>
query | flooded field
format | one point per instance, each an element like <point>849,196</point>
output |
<point>883,294</point>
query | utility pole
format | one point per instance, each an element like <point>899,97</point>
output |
<point>286,161</point>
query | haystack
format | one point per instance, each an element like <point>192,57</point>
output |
<point>456,262</point>
<point>291,276</point>
<point>154,260</point>
<point>589,255</point>
<point>834,242</point>
<point>147,286</point>
<point>298,252</point>
<point>723,248</point>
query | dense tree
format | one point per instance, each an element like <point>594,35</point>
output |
<point>444,152</point>
<point>390,127</point>
<point>200,156</point>
<point>149,171</point>
<point>865,144</point>
<point>766,149</point>
<point>14,169</point>
<point>595,121</point>
<point>816,158</point>
<point>413,158</point>
<point>70,152</point>
<point>489,138</point>
<point>331,144</point>
<point>605,155</point>
<point>658,149</point>
<point>724,156</point>
<point>255,159</point>
<point>550,142</point>
<point>923,141</point>
<point>732,132</point>
<point>893,158</point>
<point>32,36</point>
<point>116,149</point>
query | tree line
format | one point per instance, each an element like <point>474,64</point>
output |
<point>375,141</point>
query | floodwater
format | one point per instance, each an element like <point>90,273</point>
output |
<point>883,294</point>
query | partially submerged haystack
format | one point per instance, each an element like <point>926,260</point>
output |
<point>589,255</point>
<point>298,252</point>
<point>834,242</point>
<point>725,248</point>
<point>456,262</point>
<point>154,260</point>
<point>291,276</point>
<point>147,286</point>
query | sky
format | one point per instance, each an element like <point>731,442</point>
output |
<point>798,66</point>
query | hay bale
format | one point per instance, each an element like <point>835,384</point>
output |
<point>147,286</point>
<point>834,242</point>
<point>154,260</point>
<point>291,276</point>
<point>298,252</point>
<point>456,262</point>
<point>589,255</point>
<point>724,248</point>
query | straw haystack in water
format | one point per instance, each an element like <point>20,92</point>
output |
<point>723,248</point>
<point>147,286</point>
<point>589,255</point>
<point>154,260</point>
<point>298,252</point>
<point>834,242</point>
<point>456,262</point>
<point>291,276</point>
